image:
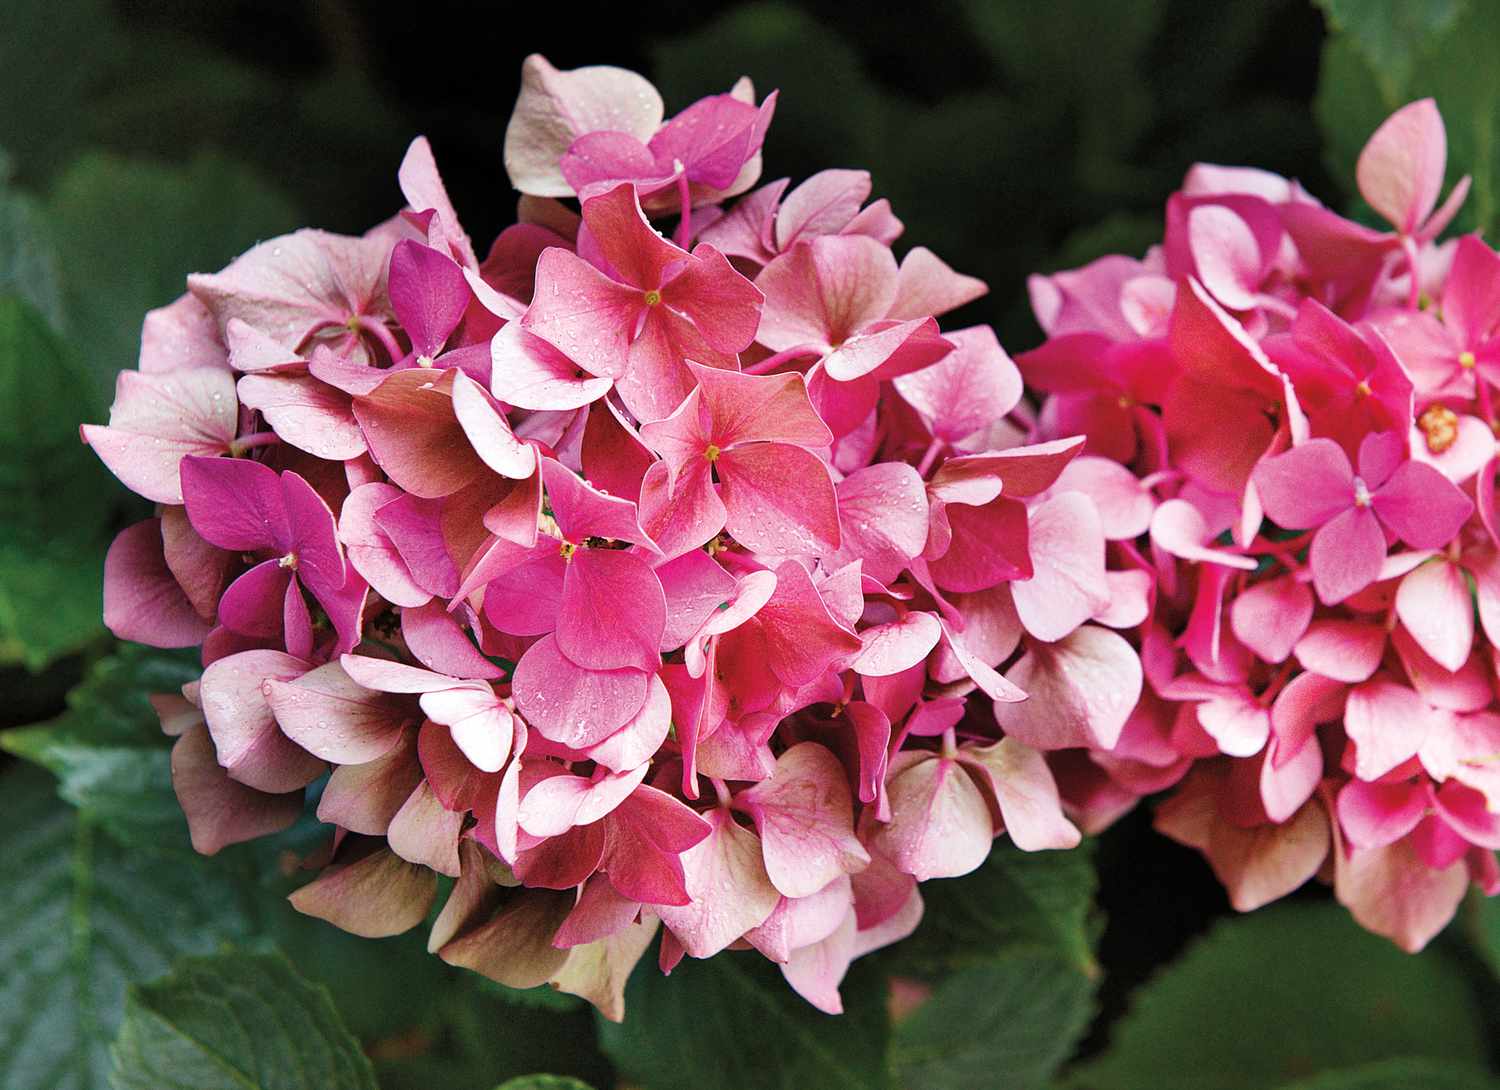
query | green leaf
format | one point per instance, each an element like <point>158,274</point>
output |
<point>132,230</point>
<point>1400,1075</point>
<point>1032,900</point>
<point>1454,65</point>
<point>107,750</point>
<point>28,260</point>
<point>1287,992</point>
<point>1009,1023</point>
<point>543,1082</point>
<point>51,552</point>
<point>1484,928</point>
<point>235,1021</point>
<point>82,919</point>
<point>1389,34</point>
<point>734,1018</point>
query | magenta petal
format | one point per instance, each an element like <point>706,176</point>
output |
<point>235,504</point>
<point>250,745</point>
<point>142,599</point>
<point>1376,814</point>
<point>1348,651</point>
<point>428,293</point>
<point>370,549</point>
<point>319,562</point>
<point>1306,486</point>
<point>569,704</point>
<point>1423,507</point>
<point>1346,554</point>
<point>253,604</point>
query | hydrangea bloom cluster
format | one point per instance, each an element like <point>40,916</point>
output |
<point>1290,423</point>
<point>633,582</point>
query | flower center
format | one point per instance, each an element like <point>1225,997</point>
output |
<point>653,297</point>
<point>1363,389</point>
<point>1361,493</point>
<point>424,361</point>
<point>1440,425</point>
<point>712,452</point>
<point>1466,360</point>
<point>289,562</point>
<point>566,550</point>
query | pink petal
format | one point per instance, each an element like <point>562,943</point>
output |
<point>613,611</point>
<point>1423,507</point>
<point>1434,604</point>
<point>414,435</point>
<point>423,189</point>
<point>779,500</point>
<point>823,290</point>
<point>968,389</point>
<point>157,420</point>
<point>1393,893</point>
<point>370,550</point>
<point>481,725</point>
<point>1227,256</point>
<point>883,516</point>
<point>822,205</point>
<point>1376,814</point>
<point>235,504</point>
<point>1348,651</point>
<point>1067,585</point>
<point>634,744</point>
<point>741,408</point>
<point>897,645</point>
<point>805,817</point>
<point>220,811</point>
<point>429,295</point>
<point>331,716</point>
<point>816,970</point>
<point>927,287</point>
<point>1307,485</point>
<point>377,895</point>
<point>364,798</point>
<point>142,600</point>
<point>940,824</point>
<point>801,637</point>
<point>250,745</point>
<point>569,704</point>
<point>1400,170</point>
<point>1387,723</point>
<point>1080,691</point>
<point>1346,554</point>
<point>1124,506</point>
<point>1180,529</point>
<point>728,888</point>
<point>1270,618</point>
<point>695,586</point>
<point>1237,723</point>
<point>488,431</point>
<point>583,511</point>
<point>1026,793</point>
<point>425,832</point>
<point>529,373</point>
<point>556,107</point>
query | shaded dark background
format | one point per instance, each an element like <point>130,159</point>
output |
<point>1011,137</point>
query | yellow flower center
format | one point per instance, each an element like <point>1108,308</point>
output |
<point>1440,425</point>
<point>711,452</point>
<point>653,297</point>
<point>289,561</point>
<point>566,550</point>
<point>1466,360</point>
<point>1363,389</point>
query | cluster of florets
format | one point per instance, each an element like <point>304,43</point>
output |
<point>1290,425</point>
<point>626,581</point>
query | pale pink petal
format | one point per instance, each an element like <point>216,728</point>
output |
<point>816,970</point>
<point>1393,893</point>
<point>1237,722</point>
<point>1348,651</point>
<point>556,107</point>
<point>927,287</point>
<point>306,413</point>
<point>377,895</point>
<point>480,723</point>
<point>823,290</point>
<point>897,645</point>
<point>1124,506</point>
<point>1080,691</point>
<point>425,832</point>
<point>883,515</point>
<point>1026,793</point>
<point>1434,604</point>
<point>1400,170</point>
<point>333,717</point>
<point>1387,723</point>
<point>805,816</point>
<point>249,744</point>
<point>1228,259</point>
<point>371,551</point>
<point>728,888</point>
<point>529,373</point>
<point>219,810</point>
<point>488,431</point>
<point>1067,585</point>
<point>968,389</point>
<point>940,824</point>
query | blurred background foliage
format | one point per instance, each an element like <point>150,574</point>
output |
<point>141,141</point>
